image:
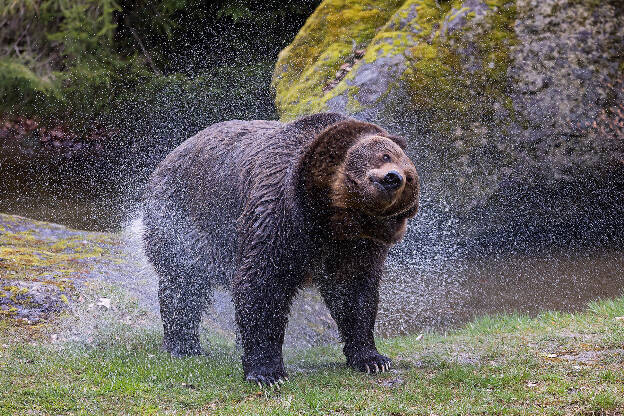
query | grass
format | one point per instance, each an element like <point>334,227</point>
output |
<point>107,359</point>
<point>555,363</point>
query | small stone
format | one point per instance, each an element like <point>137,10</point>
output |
<point>105,302</point>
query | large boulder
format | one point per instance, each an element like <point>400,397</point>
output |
<point>514,109</point>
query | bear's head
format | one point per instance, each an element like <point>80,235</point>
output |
<point>358,177</point>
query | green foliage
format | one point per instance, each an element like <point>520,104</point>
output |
<point>81,62</point>
<point>83,94</point>
<point>46,34</point>
<point>83,28</point>
<point>92,89</point>
<point>58,58</point>
<point>23,92</point>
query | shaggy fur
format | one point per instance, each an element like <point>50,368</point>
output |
<point>262,206</point>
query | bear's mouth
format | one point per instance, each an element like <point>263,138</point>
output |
<point>401,213</point>
<point>380,187</point>
<point>395,208</point>
<point>392,199</point>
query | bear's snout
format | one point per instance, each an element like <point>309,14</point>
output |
<point>392,181</point>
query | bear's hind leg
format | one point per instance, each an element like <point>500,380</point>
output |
<point>183,297</point>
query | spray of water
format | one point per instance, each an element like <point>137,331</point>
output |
<point>435,279</point>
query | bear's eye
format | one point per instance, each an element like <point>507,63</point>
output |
<point>386,157</point>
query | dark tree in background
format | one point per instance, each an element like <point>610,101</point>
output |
<point>192,35</point>
<point>79,62</point>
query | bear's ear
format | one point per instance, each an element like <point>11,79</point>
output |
<point>397,139</point>
<point>326,152</point>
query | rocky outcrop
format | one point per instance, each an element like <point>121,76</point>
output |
<point>500,99</point>
<point>43,264</point>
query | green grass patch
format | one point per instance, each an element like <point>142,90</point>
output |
<point>555,363</point>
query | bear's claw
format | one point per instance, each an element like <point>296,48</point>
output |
<point>373,363</point>
<point>267,380</point>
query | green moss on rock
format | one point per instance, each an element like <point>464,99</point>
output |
<point>28,254</point>
<point>44,261</point>
<point>440,82</point>
<point>416,29</point>
<point>323,44</point>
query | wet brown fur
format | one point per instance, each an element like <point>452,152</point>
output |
<point>265,207</point>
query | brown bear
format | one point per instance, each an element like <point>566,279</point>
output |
<point>265,208</point>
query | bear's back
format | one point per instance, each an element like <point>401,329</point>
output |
<point>196,197</point>
<point>196,194</point>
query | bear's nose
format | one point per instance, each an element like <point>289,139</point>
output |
<point>392,181</point>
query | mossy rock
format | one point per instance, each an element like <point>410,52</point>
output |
<point>489,92</point>
<point>407,38</point>
<point>42,264</point>
<point>333,33</point>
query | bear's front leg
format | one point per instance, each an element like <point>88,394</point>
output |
<point>262,304</point>
<point>351,291</point>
